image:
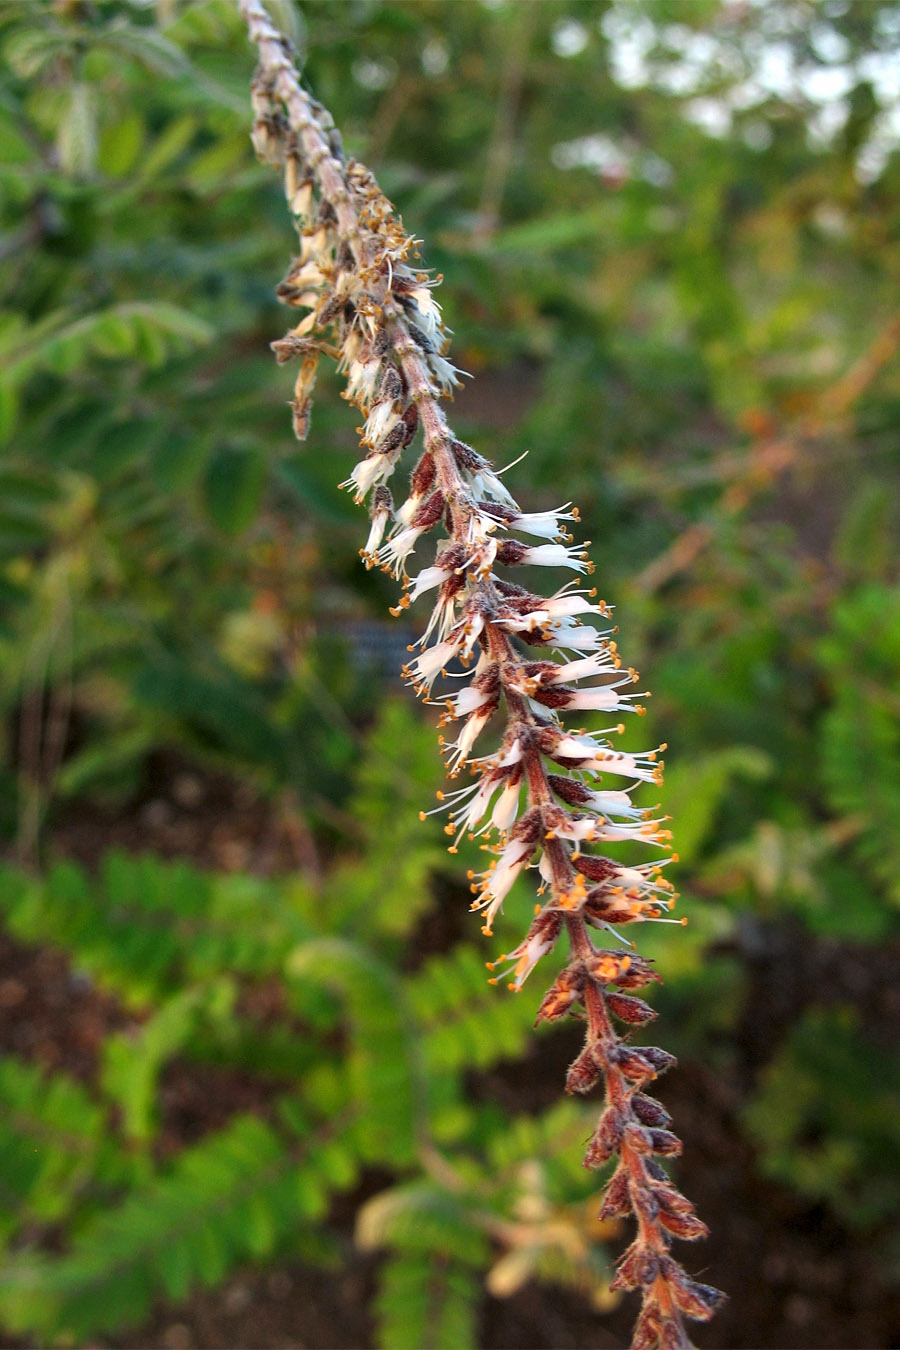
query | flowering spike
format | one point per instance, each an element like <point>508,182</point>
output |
<point>363,299</point>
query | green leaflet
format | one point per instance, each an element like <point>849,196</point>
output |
<point>231,1198</point>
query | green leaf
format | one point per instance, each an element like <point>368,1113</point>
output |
<point>76,139</point>
<point>696,790</point>
<point>120,145</point>
<point>235,480</point>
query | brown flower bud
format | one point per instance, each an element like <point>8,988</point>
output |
<point>393,441</point>
<point>672,1335</point>
<point>685,1226</point>
<point>645,1204</point>
<point>640,1064</point>
<point>665,1143</point>
<point>672,1201</point>
<point>605,1140</point>
<point>429,513</point>
<point>639,1265</point>
<point>390,387</point>
<point>584,1071</point>
<point>629,1009</point>
<point>422,340</point>
<point>421,480</point>
<point>596,868</point>
<point>573,793</point>
<point>300,411</point>
<point>466,457</point>
<point>565,990</point>
<point>511,553</point>
<point>649,1111</point>
<point>649,1329</point>
<point>616,1198</point>
<point>410,420</point>
<point>695,1300</point>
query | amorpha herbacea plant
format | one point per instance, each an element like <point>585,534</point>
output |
<point>548,796</point>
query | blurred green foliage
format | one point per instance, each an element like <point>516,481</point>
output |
<point>672,240</point>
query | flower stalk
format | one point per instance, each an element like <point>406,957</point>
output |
<point>547,795</point>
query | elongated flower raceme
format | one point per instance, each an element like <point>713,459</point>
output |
<point>547,797</point>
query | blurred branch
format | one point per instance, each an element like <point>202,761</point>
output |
<point>772,457</point>
<point>500,147</point>
<point>390,110</point>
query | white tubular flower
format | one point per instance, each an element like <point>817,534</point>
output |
<point>392,556</point>
<point>596,698</point>
<point>380,513</point>
<point>548,555</point>
<point>645,878</point>
<point>573,637</point>
<point>566,605</point>
<point>485,482</point>
<point>362,378</point>
<point>507,756</point>
<point>481,560</point>
<point>428,314</point>
<point>612,803</point>
<point>409,508</point>
<point>473,626</point>
<point>474,812</point>
<point>444,372</point>
<point>554,615</point>
<point>541,939</point>
<point>426,580</point>
<point>592,829</point>
<point>569,672</point>
<point>443,618</point>
<point>494,885</point>
<point>382,419</point>
<point>425,669</point>
<point>465,702</point>
<point>587,754</point>
<point>367,473</point>
<point>543,524</point>
<point>506,807</point>
<point>602,698</point>
<point>459,750</point>
<point>646,833</point>
<point>643,766</point>
<point>577,828</point>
